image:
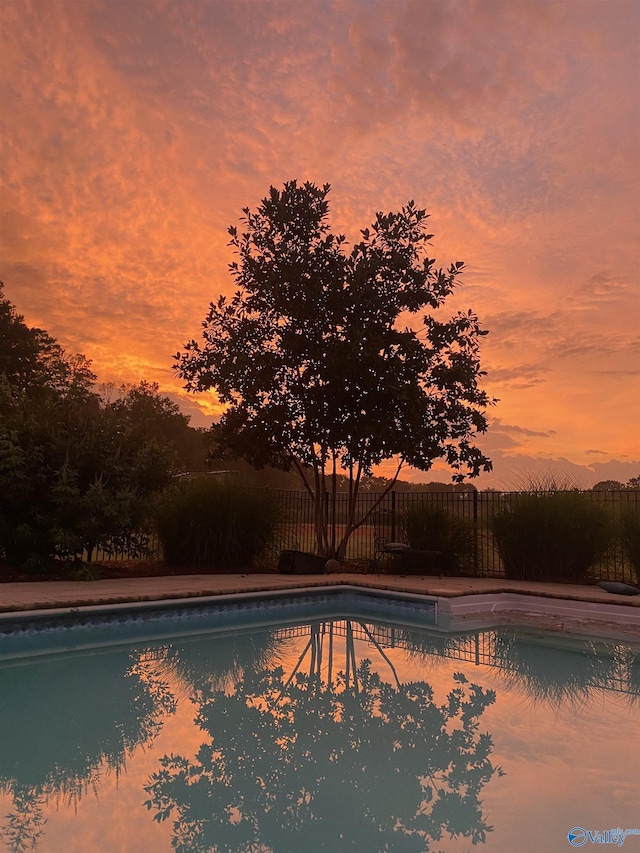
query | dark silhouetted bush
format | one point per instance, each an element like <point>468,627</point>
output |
<point>630,533</point>
<point>433,528</point>
<point>205,523</point>
<point>551,536</point>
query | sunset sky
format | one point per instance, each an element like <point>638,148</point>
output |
<point>134,132</point>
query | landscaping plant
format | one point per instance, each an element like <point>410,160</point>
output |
<point>316,366</point>
<point>630,533</point>
<point>431,527</point>
<point>554,535</point>
<point>206,523</point>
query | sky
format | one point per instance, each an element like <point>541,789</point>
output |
<point>133,134</point>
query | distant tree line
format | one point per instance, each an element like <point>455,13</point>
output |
<point>616,485</point>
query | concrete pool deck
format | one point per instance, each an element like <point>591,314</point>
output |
<point>467,602</point>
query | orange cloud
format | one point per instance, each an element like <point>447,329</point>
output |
<point>133,134</point>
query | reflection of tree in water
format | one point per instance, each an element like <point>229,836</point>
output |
<point>326,761</point>
<point>631,664</point>
<point>63,721</point>
<point>313,764</point>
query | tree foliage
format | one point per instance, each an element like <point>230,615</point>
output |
<point>608,486</point>
<point>76,471</point>
<point>616,486</point>
<point>315,359</point>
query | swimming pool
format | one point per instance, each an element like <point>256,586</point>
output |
<point>312,723</point>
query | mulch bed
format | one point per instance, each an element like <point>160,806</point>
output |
<point>62,571</point>
<point>102,571</point>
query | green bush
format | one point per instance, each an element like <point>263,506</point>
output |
<point>551,536</point>
<point>630,534</point>
<point>432,528</point>
<point>208,524</point>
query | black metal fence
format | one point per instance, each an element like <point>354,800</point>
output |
<point>385,521</point>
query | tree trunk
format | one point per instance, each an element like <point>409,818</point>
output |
<point>325,534</point>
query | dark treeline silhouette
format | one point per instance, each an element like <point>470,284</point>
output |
<point>275,478</point>
<point>79,468</point>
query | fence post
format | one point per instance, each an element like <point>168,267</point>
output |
<point>475,532</point>
<point>393,516</point>
<point>326,516</point>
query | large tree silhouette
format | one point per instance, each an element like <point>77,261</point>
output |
<point>317,364</point>
<point>304,765</point>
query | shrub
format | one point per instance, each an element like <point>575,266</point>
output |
<point>431,528</point>
<point>551,536</point>
<point>630,533</point>
<point>208,524</point>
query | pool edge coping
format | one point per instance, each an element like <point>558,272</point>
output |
<point>133,591</point>
<point>466,610</point>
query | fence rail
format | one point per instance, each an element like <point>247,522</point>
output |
<point>296,530</point>
<point>296,527</point>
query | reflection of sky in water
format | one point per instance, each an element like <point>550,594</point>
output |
<point>100,723</point>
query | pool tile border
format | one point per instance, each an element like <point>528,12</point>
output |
<point>463,603</point>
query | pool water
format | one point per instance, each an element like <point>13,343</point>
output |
<point>317,724</point>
